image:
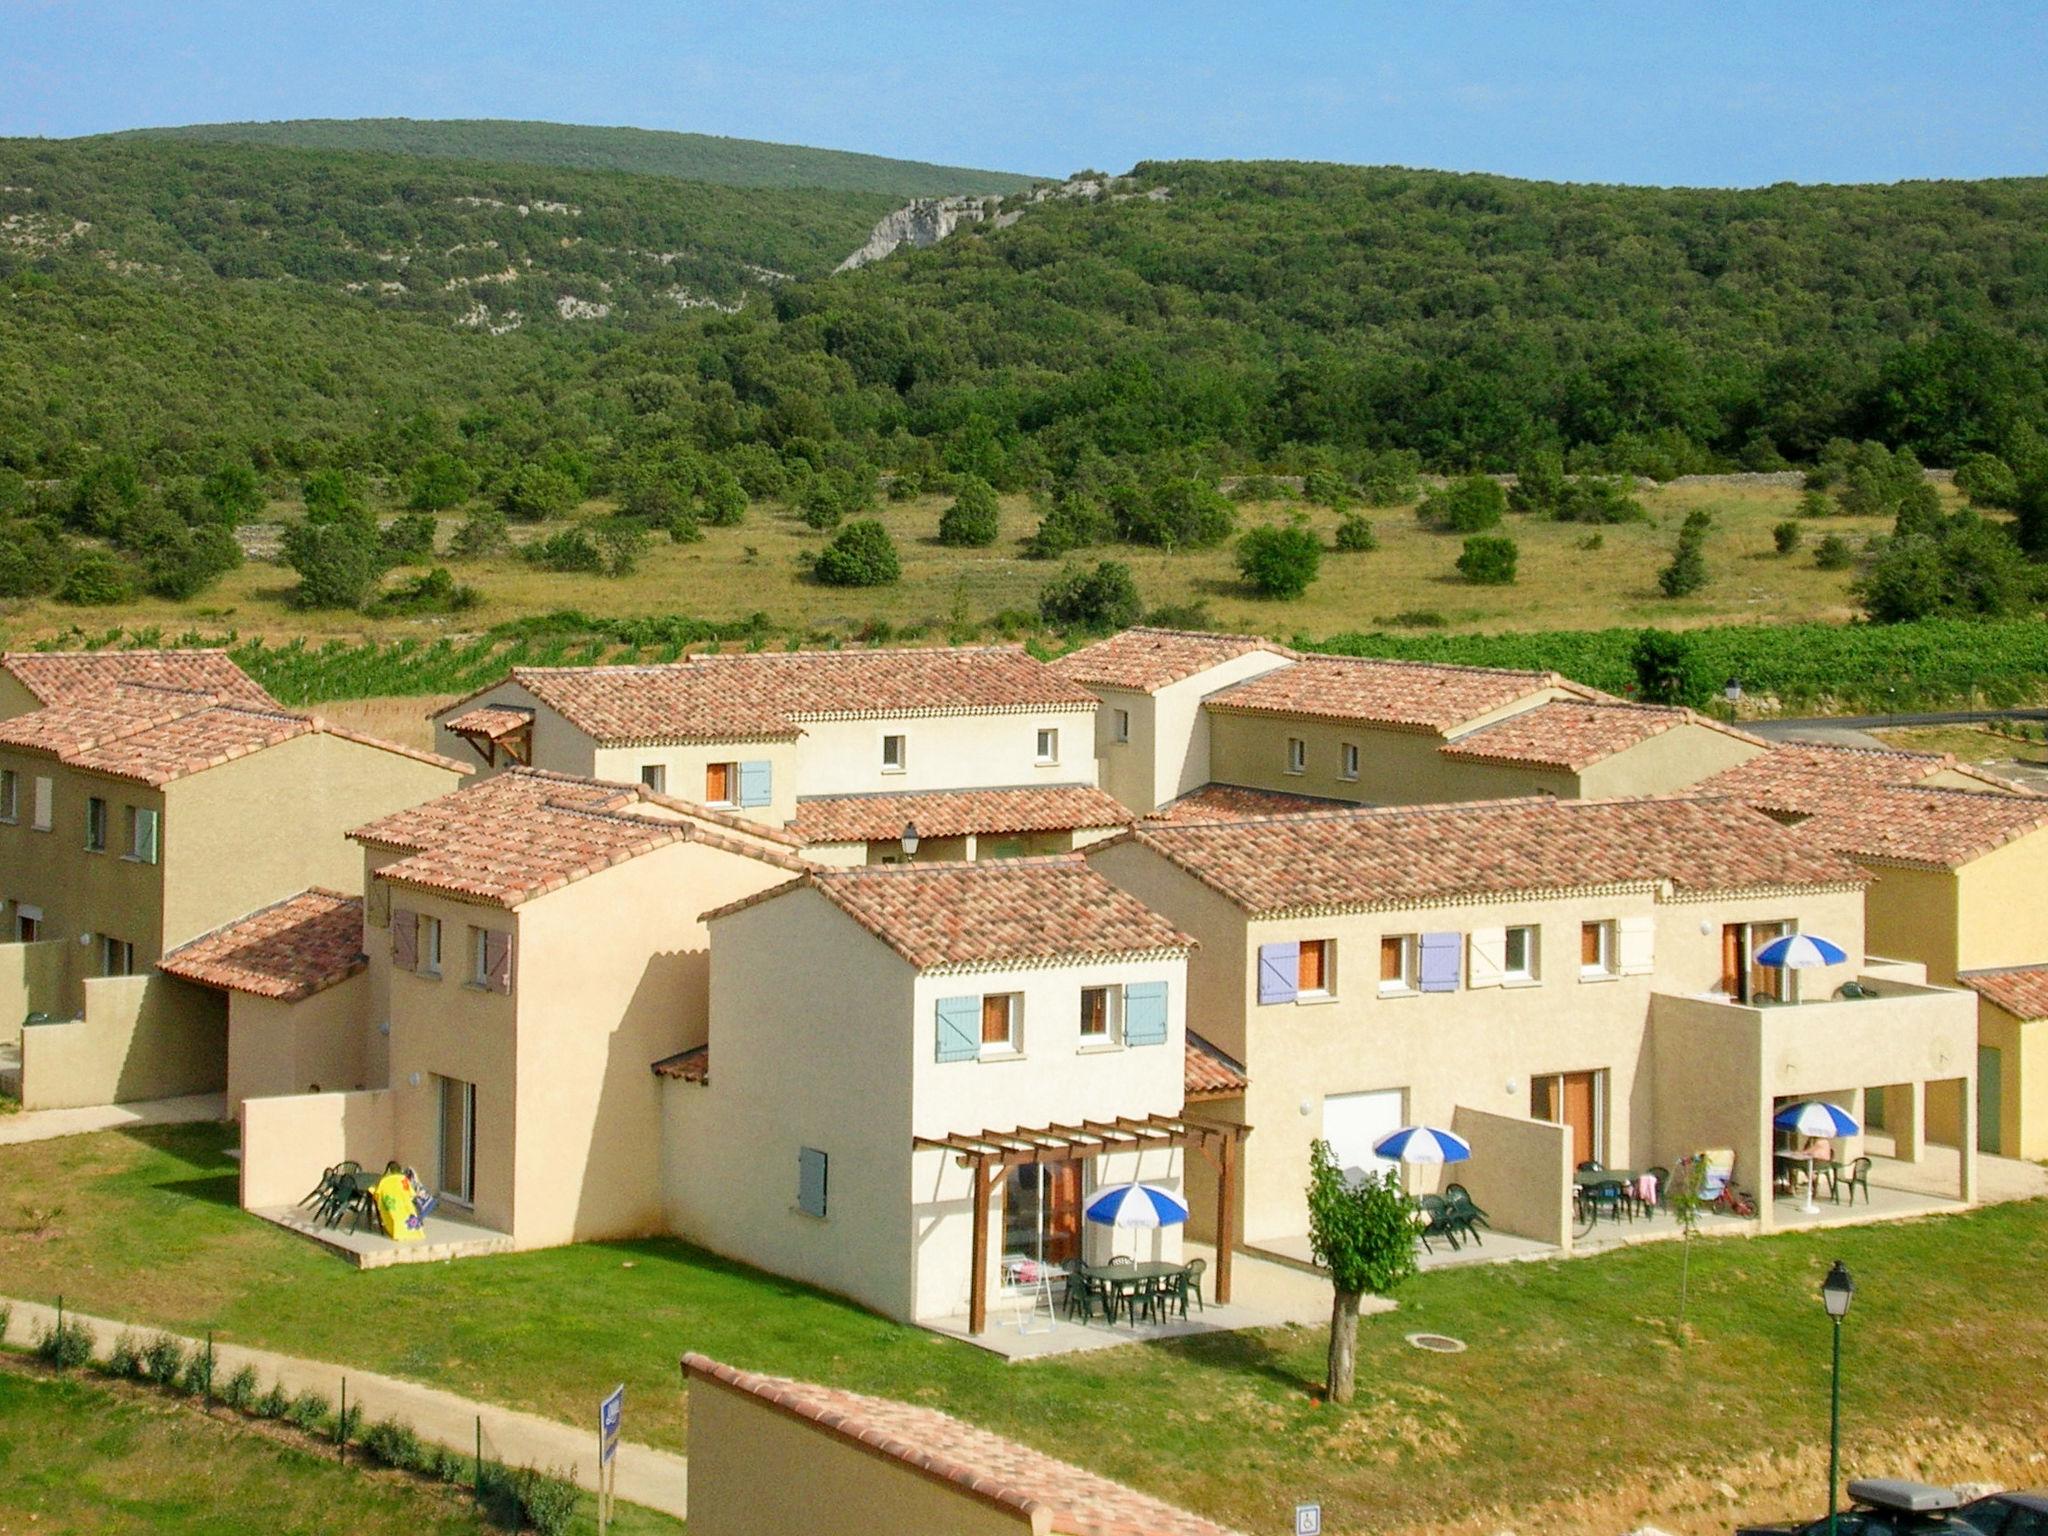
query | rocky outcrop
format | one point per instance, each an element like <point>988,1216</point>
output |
<point>924,222</point>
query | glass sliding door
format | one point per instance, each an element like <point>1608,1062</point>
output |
<point>458,1140</point>
<point>1042,1212</point>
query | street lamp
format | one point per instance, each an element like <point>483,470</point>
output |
<point>1836,1292</point>
<point>909,840</point>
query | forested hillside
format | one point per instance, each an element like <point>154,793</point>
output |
<point>689,156</point>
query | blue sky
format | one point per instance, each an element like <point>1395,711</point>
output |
<point>1695,94</point>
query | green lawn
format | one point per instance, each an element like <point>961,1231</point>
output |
<point>1574,1377</point>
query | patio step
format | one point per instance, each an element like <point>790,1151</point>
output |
<point>368,1250</point>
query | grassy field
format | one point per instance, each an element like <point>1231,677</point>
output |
<point>737,571</point>
<point>1576,1369</point>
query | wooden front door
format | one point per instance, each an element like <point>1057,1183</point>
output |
<point>1735,962</point>
<point>1062,1213</point>
<point>1576,1096</point>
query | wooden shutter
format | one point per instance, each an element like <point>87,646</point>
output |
<point>1279,968</point>
<point>1589,944</point>
<point>405,939</point>
<point>998,1018</point>
<point>1312,974</point>
<point>810,1181</point>
<point>959,1028</point>
<point>1440,961</point>
<point>145,837</point>
<point>1637,938</point>
<point>498,961</point>
<point>757,782</point>
<point>43,810</point>
<point>1145,1013</point>
<point>717,783</point>
<point>1487,949</point>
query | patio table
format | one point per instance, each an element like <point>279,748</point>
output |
<point>1119,1281</point>
<point>1586,1178</point>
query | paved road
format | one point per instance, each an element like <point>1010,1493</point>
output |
<point>1795,728</point>
<point>646,1476</point>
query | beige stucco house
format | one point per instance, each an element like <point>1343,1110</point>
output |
<point>938,825</point>
<point>901,1064</point>
<point>1558,980</point>
<point>153,798</point>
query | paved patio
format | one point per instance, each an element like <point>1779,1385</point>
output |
<point>446,1238</point>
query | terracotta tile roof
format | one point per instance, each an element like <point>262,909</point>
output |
<point>1151,659</point>
<point>768,695</point>
<point>524,833</point>
<point>287,951</point>
<point>1416,695</point>
<point>1235,802</point>
<point>154,735</point>
<point>692,1066</point>
<point>988,911</point>
<point>491,721</point>
<point>1924,827</point>
<point>982,1464</point>
<point>1210,1073</point>
<point>63,677</point>
<point>954,813</point>
<point>1812,777</point>
<point>1576,733</point>
<point>1413,855</point>
<point>2021,990</point>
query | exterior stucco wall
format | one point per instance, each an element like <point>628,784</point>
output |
<point>2022,1045</point>
<point>1519,1173</point>
<point>14,698</point>
<point>755,1468</point>
<point>965,751</point>
<point>288,1142</point>
<point>685,768</point>
<point>316,1045</point>
<point>140,1037</point>
<point>1395,767</point>
<point>33,978</point>
<point>557,745</point>
<point>2003,906</point>
<point>1916,914</point>
<point>1678,758</point>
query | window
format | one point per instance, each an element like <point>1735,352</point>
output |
<point>721,783</point>
<point>28,923</point>
<point>1097,1004</point>
<point>812,1167</point>
<point>1397,962</point>
<point>1348,760</point>
<point>95,825</point>
<point>1120,725</point>
<point>1297,755</point>
<point>1519,961</point>
<point>895,754</point>
<point>1000,1014</point>
<point>10,795</point>
<point>458,1139</point>
<point>117,956</point>
<point>490,959</point>
<point>654,776</point>
<point>44,817</point>
<point>430,946</point>
<point>479,957</point>
<point>1312,975</point>
<point>1048,744</point>
<point>142,834</point>
<point>1596,949</point>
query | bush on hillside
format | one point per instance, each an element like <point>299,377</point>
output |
<point>1785,538</point>
<point>1180,512</point>
<point>533,493</point>
<point>1471,504</point>
<point>1355,534</point>
<point>1833,553</point>
<point>860,555</point>
<point>1687,572</point>
<point>971,522</point>
<point>95,579</point>
<point>1489,560</point>
<point>438,482</point>
<point>1669,670</point>
<point>1093,601</point>
<point>1279,561</point>
<point>483,533</point>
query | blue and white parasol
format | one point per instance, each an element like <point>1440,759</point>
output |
<point>1137,1205</point>
<point>1801,952</point>
<point>1816,1117</point>
<point>1422,1144</point>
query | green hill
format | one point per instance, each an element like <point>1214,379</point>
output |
<point>687,156</point>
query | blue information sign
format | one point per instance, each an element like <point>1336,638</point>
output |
<point>609,1414</point>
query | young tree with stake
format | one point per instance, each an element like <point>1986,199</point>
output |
<point>1364,1235</point>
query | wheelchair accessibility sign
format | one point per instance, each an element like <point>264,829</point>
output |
<point>1308,1520</point>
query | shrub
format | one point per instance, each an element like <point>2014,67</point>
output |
<point>232,494</point>
<point>32,558</point>
<point>1539,483</point>
<point>1104,598</point>
<point>724,500</point>
<point>437,482</point>
<point>1687,572</point>
<point>1669,669</point>
<point>65,1345</point>
<point>861,555</point>
<point>1489,560</point>
<point>308,1411</point>
<point>832,494</point>
<point>96,579</point>
<point>1786,537</point>
<point>1988,481</point>
<point>534,492</point>
<point>330,495</point>
<point>432,591</point>
<point>1279,561</point>
<point>1592,499</point>
<point>1326,488</point>
<point>482,533</point>
<point>240,1391</point>
<point>1072,522</point>
<point>1261,487</point>
<point>547,1500</point>
<point>396,1445</point>
<point>1417,618</point>
<point>192,560</point>
<point>571,550</point>
<point>620,542</point>
<point>338,561</point>
<point>1816,504</point>
<point>1833,553</point>
<point>1389,478</point>
<point>197,1377</point>
<point>1468,505</point>
<point>1355,534</point>
<point>348,1423</point>
<point>971,522</point>
<point>1180,512</point>
<point>6,1317</point>
<point>408,537</point>
<point>163,1360</point>
<point>274,1404</point>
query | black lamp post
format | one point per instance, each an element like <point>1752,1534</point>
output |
<point>909,841</point>
<point>1836,1292</point>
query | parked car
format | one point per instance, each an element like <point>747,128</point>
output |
<point>1890,1506</point>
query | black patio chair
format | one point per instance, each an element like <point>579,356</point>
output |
<point>1856,1177</point>
<point>1436,1223</point>
<point>1611,1196</point>
<point>1465,1214</point>
<point>1191,1284</point>
<point>1084,1295</point>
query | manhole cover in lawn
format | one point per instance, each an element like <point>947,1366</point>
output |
<point>1437,1343</point>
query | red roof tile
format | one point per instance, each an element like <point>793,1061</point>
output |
<point>493,722</point>
<point>2021,990</point>
<point>64,677</point>
<point>1574,734</point>
<point>979,1462</point>
<point>1413,855</point>
<point>1211,1074</point>
<point>1415,695</point>
<point>1150,659</point>
<point>988,911</point>
<point>691,1066</point>
<point>955,813</point>
<point>1812,777</point>
<point>287,951</point>
<point>1925,828</point>
<point>523,833</point>
<point>1235,802</point>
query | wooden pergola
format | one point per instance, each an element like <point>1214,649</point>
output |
<point>989,1157</point>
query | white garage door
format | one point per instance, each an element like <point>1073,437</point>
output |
<point>1352,1122</point>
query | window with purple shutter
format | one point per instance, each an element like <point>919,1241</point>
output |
<point>498,961</point>
<point>1279,972</point>
<point>1440,961</point>
<point>405,939</point>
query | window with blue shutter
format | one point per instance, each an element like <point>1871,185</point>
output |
<point>810,1181</point>
<point>1440,961</point>
<point>757,783</point>
<point>1145,1013</point>
<point>1279,972</point>
<point>959,1029</point>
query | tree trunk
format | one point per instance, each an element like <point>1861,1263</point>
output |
<point>1343,1346</point>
